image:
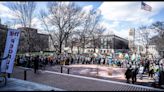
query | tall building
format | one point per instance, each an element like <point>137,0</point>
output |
<point>131,39</point>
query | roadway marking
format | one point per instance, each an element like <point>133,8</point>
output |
<point>101,80</point>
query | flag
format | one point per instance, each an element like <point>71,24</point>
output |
<point>146,6</point>
<point>12,41</point>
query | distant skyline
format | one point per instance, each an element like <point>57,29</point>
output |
<point>118,17</point>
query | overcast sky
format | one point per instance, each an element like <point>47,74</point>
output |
<point>118,17</point>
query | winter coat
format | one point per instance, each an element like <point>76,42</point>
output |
<point>128,73</point>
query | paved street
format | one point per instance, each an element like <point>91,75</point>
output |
<point>75,82</point>
<point>91,71</point>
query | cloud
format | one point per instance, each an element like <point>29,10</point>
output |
<point>112,29</point>
<point>119,17</point>
<point>87,8</point>
<point>5,12</point>
<point>129,11</point>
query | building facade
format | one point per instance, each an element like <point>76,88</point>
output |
<point>3,33</point>
<point>32,41</point>
<point>108,44</point>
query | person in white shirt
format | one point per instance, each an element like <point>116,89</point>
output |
<point>140,72</point>
<point>102,59</point>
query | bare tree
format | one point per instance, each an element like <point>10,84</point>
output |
<point>144,34</point>
<point>158,39</point>
<point>44,19</point>
<point>96,37</point>
<point>73,41</point>
<point>95,30</point>
<point>63,19</point>
<point>84,31</point>
<point>24,13</point>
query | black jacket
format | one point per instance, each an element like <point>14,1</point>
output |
<point>128,73</point>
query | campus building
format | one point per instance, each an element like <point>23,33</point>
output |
<point>36,42</point>
<point>3,32</point>
<point>110,44</point>
<point>104,44</point>
<point>31,40</point>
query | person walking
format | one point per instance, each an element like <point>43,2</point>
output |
<point>134,73</point>
<point>141,71</point>
<point>128,74</point>
<point>151,71</point>
<point>36,64</point>
<point>161,72</point>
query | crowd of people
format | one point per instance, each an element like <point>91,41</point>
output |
<point>67,59</point>
<point>152,68</point>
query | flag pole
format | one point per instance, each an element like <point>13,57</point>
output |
<point>146,7</point>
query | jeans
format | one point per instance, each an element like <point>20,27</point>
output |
<point>141,75</point>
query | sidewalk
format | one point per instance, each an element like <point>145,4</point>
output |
<point>77,83</point>
<point>21,85</point>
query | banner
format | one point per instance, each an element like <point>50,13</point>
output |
<point>12,41</point>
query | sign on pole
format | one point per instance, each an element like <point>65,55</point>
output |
<point>12,41</point>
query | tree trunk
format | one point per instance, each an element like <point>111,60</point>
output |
<point>60,47</point>
<point>72,48</point>
<point>146,50</point>
<point>94,47</point>
<point>78,49</point>
<point>83,44</point>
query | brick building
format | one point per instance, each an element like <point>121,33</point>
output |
<point>3,33</point>
<point>36,42</point>
<point>31,40</point>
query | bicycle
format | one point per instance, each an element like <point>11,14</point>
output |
<point>3,79</point>
<point>3,75</point>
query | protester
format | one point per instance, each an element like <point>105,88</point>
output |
<point>141,71</point>
<point>36,63</point>
<point>151,71</point>
<point>128,74</point>
<point>134,73</point>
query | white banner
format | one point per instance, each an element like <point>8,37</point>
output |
<point>11,49</point>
